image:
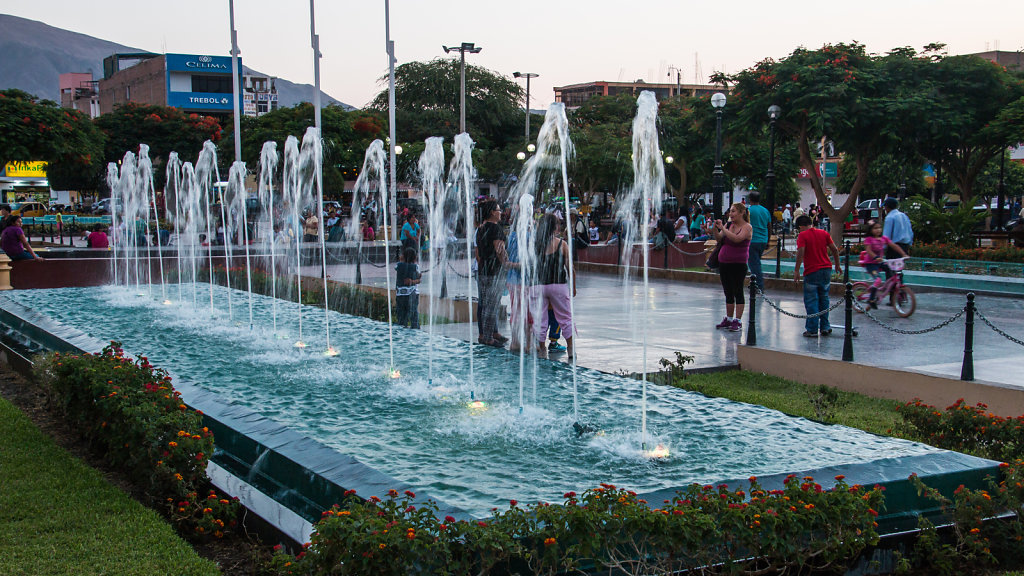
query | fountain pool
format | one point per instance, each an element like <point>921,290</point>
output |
<point>426,435</point>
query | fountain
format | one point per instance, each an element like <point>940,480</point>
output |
<point>302,428</point>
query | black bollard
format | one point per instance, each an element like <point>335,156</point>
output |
<point>665,265</point>
<point>848,329</point>
<point>779,241</point>
<point>967,370</point>
<point>751,317</point>
<point>846,264</point>
<point>444,284</point>
<point>359,270</point>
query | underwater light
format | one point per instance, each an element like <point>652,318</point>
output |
<point>167,302</point>
<point>300,344</point>
<point>477,405</point>
<point>393,373</point>
<point>330,351</point>
<point>660,451</point>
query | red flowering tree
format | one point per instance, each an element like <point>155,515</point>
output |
<point>34,129</point>
<point>838,91</point>
<point>164,129</point>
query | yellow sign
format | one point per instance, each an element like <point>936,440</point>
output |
<point>36,169</point>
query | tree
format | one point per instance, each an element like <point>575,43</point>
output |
<point>33,129</point>
<point>427,104</point>
<point>601,130</point>
<point>978,111</point>
<point>163,129</point>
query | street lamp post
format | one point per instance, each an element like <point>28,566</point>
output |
<point>769,179</point>
<point>526,75</point>
<point>679,78</point>
<point>718,177</point>
<point>1001,196</point>
<point>462,49</point>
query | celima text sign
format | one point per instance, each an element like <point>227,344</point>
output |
<point>198,63</point>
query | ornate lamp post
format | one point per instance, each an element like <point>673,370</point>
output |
<point>769,180</point>
<point>718,177</point>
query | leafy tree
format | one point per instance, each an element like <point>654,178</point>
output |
<point>978,111</point>
<point>885,175</point>
<point>427,104</point>
<point>932,224</point>
<point>858,101</point>
<point>33,129</point>
<point>164,129</point>
<point>601,130</point>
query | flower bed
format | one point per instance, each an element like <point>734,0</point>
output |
<point>952,252</point>
<point>967,428</point>
<point>801,527</point>
<point>129,412</point>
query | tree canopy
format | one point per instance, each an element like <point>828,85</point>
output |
<point>33,129</point>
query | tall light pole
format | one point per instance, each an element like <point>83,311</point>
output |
<point>769,179</point>
<point>717,176</point>
<point>462,49</point>
<point>679,78</point>
<point>235,88</point>
<point>315,42</point>
<point>393,174</point>
<point>526,75</point>
<point>1000,197</point>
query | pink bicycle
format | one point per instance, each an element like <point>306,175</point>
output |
<point>901,297</point>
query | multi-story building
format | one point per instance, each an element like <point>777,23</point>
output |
<point>575,95</point>
<point>79,91</point>
<point>192,83</point>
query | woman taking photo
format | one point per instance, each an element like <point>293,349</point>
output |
<point>732,257</point>
<point>552,287</point>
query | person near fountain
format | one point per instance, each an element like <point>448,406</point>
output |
<point>97,238</point>
<point>513,283</point>
<point>490,257</point>
<point>732,263</point>
<point>14,243</point>
<point>311,227</point>
<point>410,236</point>
<point>367,230</point>
<point>761,223</point>
<point>407,292</point>
<point>552,287</point>
<point>813,248</point>
<point>5,213</point>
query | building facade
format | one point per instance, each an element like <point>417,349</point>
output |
<point>574,95</point>
<point>78,91</point>
<point>199,84</point>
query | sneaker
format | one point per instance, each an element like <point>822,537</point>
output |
<point>725,323</point>
<point>735,326</point>
<point>809,334</point>
<point>826,332</point>
<point>556,347</point>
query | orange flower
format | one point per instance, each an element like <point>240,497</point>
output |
<point>549,541</point>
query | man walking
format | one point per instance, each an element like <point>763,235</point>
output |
<point>813,249</point>
<point>897,228</point>
<point>761,222</point>
<point>490,257</point>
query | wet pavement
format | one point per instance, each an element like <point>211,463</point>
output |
<point>682,316</point>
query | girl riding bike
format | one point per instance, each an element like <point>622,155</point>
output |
<point>872,257</point>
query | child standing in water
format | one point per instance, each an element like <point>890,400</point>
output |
<point>407,289</point>
<point>872,258</point>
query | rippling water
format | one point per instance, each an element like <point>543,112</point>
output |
<point>423,432</point>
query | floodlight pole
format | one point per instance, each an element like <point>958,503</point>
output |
<point>235,88</point>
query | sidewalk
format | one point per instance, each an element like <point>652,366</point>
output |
<point>682,317</point>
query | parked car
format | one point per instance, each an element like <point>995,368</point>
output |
<point>103,206</point>
<point>28,209</point>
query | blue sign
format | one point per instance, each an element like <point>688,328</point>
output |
<point>199,101</point>
<point>199,63</point>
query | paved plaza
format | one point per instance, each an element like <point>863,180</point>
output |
<point>682,316</point>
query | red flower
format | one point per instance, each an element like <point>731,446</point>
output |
<point>512,503</point>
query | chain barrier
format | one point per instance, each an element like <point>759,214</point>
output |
<point>452,268</point>
<point>685,253</point>
<point>765,297</point>
<point>940,325</point>
<point>371,263</point>
<point>997,330</point>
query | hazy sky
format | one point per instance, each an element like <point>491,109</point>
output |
<point>566,42</point>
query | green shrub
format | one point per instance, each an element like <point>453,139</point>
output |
<point>131,414</point>
<point>801,527</point>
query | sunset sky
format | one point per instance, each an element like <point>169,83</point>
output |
<point>566,42</point>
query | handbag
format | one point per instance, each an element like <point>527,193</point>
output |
<point>712,262</point>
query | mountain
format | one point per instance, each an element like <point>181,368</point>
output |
<point>33,55</point>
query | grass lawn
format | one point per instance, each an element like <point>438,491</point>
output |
<point>874,415</point>
<point>59,516</point>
